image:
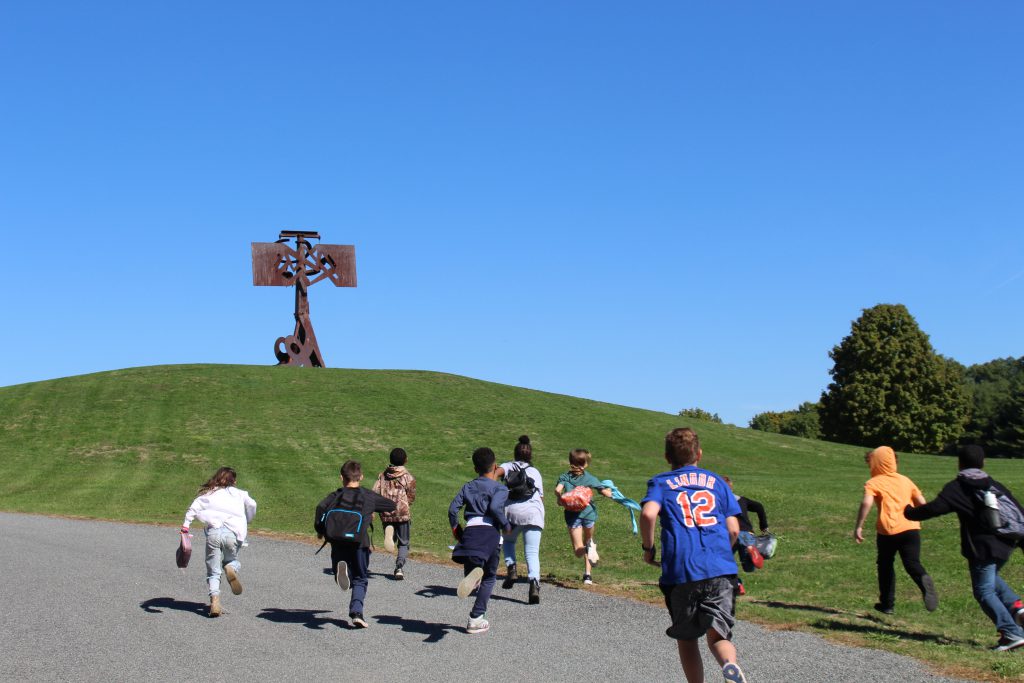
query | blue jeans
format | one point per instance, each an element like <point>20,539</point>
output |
<point>531,548</point>
<point>221,549</point>
<point>995,597</point>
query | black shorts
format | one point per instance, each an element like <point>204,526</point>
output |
<point>698,606</point>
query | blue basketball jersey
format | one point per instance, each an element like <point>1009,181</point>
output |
<point>694,538</point>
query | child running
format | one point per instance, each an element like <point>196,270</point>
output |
<point>698,528</point>
<point>525,512</point>
<point>395,483</point>
<point>477,549</point>
<point>892,492</point>
<point>226,511</point>
<point>343,519</point>
<point>581,522</point>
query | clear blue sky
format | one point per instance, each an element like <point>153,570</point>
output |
<point>660,205</point>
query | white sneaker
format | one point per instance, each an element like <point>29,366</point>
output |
<point>470,582</point>
<point>233,580</point>
<point>389,539</point>
<point>341,575</point>
<point>592,553</point>
<point>477,625</point>
<point>732,673</point>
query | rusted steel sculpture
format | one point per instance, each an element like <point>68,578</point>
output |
<point>277,264</point>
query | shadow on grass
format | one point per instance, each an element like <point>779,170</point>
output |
<point>441,591</point>
<point>304,617</point>
<point>158,605</point>
<point>776,604</point>
<point>888,632</point>
<point>433,632</point>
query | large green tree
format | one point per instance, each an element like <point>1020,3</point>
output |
<point>890,387</point>
<point>993,387</point>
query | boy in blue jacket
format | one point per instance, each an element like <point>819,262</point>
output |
<point>698,573</point>
<point>478,544</point>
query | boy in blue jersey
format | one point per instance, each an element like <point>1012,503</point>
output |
<point>698,573</point>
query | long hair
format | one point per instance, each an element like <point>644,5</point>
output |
<point>523,451</point>
<point>222,478</point>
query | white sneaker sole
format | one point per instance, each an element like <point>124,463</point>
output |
<point>470,582</point>
<point>389,539</point>
<point>733,674</point>
<point>592,553</point>
<point>233,580</point>
<point>478,629</point>
<point>341,575</point>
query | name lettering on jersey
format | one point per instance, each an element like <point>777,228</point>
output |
<point>700,479</point>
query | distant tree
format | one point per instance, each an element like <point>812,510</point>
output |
<point>1008,437</point>
<point>890,387</point>
<point>700,414</point>
<point>992,387</point>
<point>803,421</point>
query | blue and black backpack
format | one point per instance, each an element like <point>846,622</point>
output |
<point>343,521</point>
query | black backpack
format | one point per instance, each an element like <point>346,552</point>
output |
<point>520,485</point>
<point>343,520</point>
<point>1006,521</point>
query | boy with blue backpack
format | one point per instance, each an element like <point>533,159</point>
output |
<point>343,519</point>
<point>991,526</point>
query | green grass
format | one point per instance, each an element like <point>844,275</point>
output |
<point>135,444</point>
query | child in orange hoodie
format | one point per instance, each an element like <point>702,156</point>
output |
<point>896,534</point>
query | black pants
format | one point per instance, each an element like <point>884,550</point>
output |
<point>908,545</point>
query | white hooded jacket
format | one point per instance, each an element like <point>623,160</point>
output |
<point>228,507</point>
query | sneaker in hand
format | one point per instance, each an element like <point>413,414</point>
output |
<point>756,558</point>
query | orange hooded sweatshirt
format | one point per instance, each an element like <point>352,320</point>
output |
<point>892,492</point>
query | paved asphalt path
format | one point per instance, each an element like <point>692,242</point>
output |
<point>100,601</point>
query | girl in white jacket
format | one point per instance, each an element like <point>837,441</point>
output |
<point>226,511</point>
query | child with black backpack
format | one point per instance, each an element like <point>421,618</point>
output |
<point>395,483</point>
<point>525,512</point>
<point>343,519</point>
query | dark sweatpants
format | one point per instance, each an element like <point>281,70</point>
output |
<point>358,561</point>
<point>908,545</point>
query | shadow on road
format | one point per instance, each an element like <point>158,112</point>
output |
<point>441,591</point>
<point>158,605</point>
<point>775,604</point>
<point>304,617</point>
<point>433,632</point>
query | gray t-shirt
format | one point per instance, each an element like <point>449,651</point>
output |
<point>530,511</point>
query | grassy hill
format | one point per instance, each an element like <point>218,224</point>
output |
<point>135,444</point>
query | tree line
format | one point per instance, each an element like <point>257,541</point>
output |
<point>890,387</point>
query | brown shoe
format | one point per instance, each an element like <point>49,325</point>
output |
<point>214,605</point>
<point>233,580</point>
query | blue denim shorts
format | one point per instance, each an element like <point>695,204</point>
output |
<point>577,523</point>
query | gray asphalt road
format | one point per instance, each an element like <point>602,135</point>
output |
<point>98,601</point>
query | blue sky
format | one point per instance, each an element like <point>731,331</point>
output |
<point>661,205</point>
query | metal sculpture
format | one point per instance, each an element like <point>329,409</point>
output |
<point>277,264</point>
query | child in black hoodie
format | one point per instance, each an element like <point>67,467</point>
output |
<point>986,552</point>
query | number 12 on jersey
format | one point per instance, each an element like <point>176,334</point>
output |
<point>698,508</point>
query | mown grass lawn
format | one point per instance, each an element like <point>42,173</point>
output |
<point>135,444</point>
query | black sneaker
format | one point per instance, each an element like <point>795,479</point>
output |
<point>534,592</point>
<point>1008,643</point>
<point>357,620</point>
<point>510,576</point>
<point>931,598</point>
<point>883,609</point>
<point>399,574</point>
<point>588,580</point>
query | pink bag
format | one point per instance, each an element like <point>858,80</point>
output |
<point>577,499</point>
<point>184,552</point>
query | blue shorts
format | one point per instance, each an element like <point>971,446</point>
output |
<point>577,523</point>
